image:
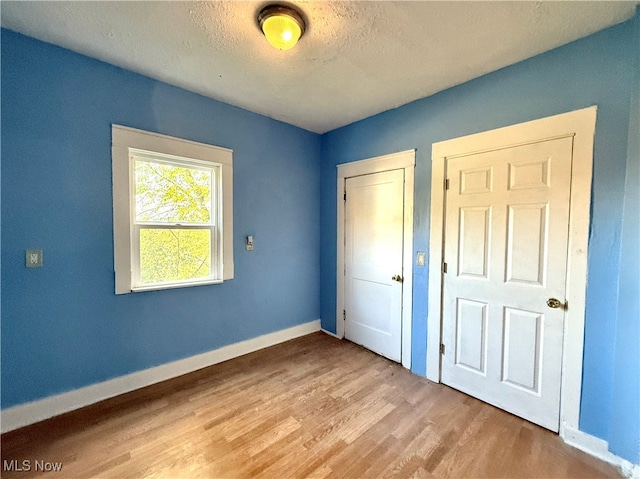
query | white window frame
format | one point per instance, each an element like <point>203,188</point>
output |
<point>126,142</point>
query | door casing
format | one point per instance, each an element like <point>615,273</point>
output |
<point>402,160</point>
<point>580,125</point>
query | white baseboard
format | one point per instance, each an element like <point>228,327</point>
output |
<point>330,333</point>
<point>29,413</point>
<point>599,448</point>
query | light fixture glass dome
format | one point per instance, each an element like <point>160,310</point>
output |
<point>281,25</point>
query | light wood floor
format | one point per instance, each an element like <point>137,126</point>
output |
<point>312,407</point>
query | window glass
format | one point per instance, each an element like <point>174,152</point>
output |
<point>172,193</point>
<point>168,255</point>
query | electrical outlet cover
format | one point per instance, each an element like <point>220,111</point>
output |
<point>34,258</point>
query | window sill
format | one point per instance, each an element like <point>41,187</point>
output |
<point>186,284</point>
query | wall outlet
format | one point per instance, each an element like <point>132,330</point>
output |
<point>34,258</point>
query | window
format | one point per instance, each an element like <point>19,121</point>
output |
<point>172,211</point>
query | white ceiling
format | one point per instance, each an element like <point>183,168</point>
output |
<point>356,59</point>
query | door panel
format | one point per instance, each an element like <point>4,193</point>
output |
<point>473,249</point>
<point>374,218</point>
<point>471,335</point>
<point>521,349</point>
<point>526,243</point>
<point>506,235</point>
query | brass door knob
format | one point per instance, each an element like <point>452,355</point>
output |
<point>397,278</point>
<point>555,303</point>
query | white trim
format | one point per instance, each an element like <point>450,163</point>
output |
<point>122,139</point>
<point>402,160</point>
<point>330,333</point>
<point>581,125</point>
<point>407,263</point>
<point>146,140</point>
<point>25,414</point>
<point>436,248</point>
<point>600,448</point>
<point>392,161</point>
<point>183,284</point>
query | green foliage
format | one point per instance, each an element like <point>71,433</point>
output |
<point>174,255</point>
<point>172,194</point>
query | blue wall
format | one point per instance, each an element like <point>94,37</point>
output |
<point>62,325</point>
<point>598,70</point>
<point>625,423</point>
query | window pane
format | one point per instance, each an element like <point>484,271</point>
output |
<point>168,255</point>
<point>173,194</point>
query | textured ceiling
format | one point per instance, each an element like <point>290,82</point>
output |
<point>356,58</point>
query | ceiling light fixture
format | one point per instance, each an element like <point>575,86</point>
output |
<point>282,25</point>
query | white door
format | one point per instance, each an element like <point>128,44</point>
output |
<point>506,236</point>
<point>374,218</point>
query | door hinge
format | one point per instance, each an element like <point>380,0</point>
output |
<point>444,267</point>
<point>344,314</point>
<point>441,348</point>
<point>446,184</point>
<point>345,194</point>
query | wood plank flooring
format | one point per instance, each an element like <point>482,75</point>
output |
<point>313,407</point>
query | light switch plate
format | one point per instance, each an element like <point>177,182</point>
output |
<point>34,258</point>
<point>421,258</point>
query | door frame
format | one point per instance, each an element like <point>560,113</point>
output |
<point>405,160</point>
<point>580,125</point>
